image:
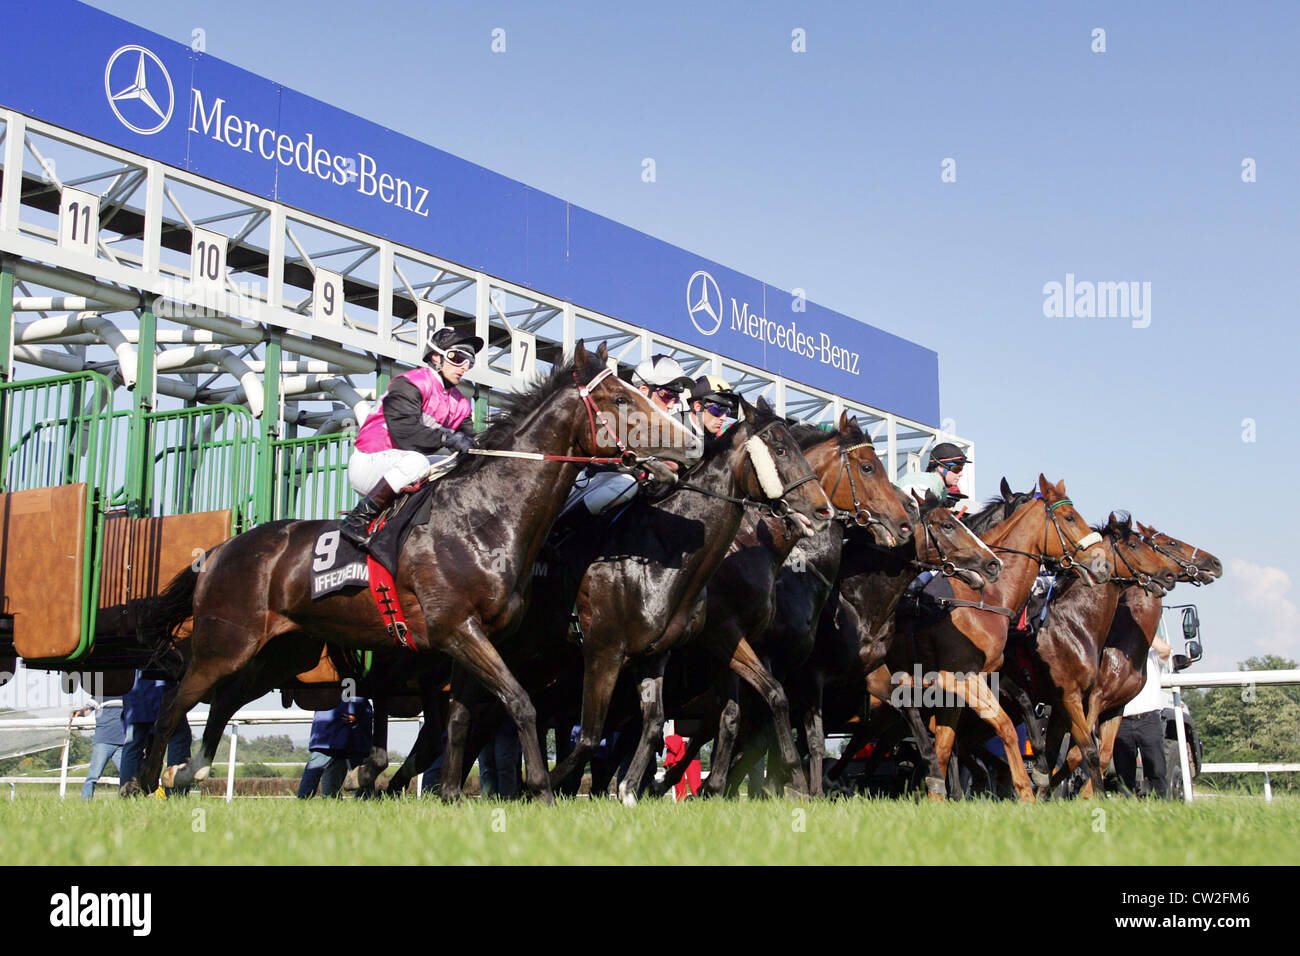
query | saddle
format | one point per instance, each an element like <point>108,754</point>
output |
<point>926,601</point>
<point>337,563</point>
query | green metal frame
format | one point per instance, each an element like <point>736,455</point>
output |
<point>306,486</point>
<point>56,431</point>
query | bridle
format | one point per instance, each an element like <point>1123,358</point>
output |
<point>595,417</point>
<point>946,567</point>
<point>1192,571</point>
<point>1141,578</point>
<point>859,515</point>
<point>776,507</point>
<point>1066,561</point>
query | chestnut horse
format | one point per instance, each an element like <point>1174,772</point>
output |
<point>1123,667</point>
<point>1067,652</point>
<point>957,650</point>
<point>463,578</point>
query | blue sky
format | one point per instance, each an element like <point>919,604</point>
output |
<point>821,170</point>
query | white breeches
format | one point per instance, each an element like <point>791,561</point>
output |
<point>397,467</point>
<point>602,491</point>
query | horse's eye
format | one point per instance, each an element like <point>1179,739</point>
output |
<point>866,468</point>
<point>780,451</point>
<point>947,526</point>
<point>1070,518</point>
<point>621,400</point>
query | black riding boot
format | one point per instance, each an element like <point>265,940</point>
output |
<point>355,525</point>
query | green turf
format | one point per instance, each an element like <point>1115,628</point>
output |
<point>41,830</point>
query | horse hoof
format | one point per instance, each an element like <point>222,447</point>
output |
<point>627,796</point>
<point>353,780</point>
<point>937,788</point>
<point>168,778</point>
<point>130,789</point>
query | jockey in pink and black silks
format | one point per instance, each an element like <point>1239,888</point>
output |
<point>421,413</point>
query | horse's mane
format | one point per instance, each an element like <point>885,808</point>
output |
<point>1121,529</point>
<point>808,435</point>
<point>515,409</point>
<point>993,511</point>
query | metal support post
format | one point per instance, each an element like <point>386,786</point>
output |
<point>139,441</point>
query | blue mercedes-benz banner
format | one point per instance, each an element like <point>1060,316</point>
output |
<point>116,82</point>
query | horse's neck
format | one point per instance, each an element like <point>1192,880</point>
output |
<point>880,588</point>
<point>721,475</point>
<point>1011,589</point>
<point>525,497</point>
<point>1094,610</point>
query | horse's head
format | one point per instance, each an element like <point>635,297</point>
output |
<point>616,419</point>
<point>1134,559</point>
<point>947,544</point>
<point>1067,539</point>
<point>776,471</point>
<point>847,464</point>
<point>1196,565</point>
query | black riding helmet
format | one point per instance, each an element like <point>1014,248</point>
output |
<point>946,453</point>
<point>448,338</point>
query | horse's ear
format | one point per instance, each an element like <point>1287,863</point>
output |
<point>1044,486</point>
<point>579,354</point>
<point>846,424</point>
<point>764,407</point>
<point>920,502</point>
<point>931,498</point>
<point>1007,495</point>
<point>602,354</point>
<point>747,411</point>
<point>1113,521</point>
<point>1060,488</point>
<point>1147,532</point>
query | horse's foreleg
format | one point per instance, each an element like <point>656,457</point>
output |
<point>600,674</point>
<point>1082,735</point>
<point>1109,731</point>
<point>977,694</point>
<point>202,673</point>
<point>1035,727</point>
<point>427,742</point>
<point>476,654</point>
<point>745,663</point>
<point>651,691</point>
<point>228,696</point>
<point>715,784</point>
<point>815,736</point>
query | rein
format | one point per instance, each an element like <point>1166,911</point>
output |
<point>1066,561</point>
<point>1191,570</point>
<point>594,415</point>
<point>859,515</point>
<point>777,507</point>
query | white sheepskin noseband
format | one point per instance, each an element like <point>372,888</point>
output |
<point>765,467</point>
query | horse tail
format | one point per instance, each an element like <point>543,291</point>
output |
<point>160,616</point>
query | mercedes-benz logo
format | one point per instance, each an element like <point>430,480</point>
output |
<point>140,82</point>
<point>704,302</point>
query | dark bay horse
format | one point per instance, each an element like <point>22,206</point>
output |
<point>1068,648</point>
<point>638,584</point>
<point>955,651</point>
<point>858,482</point>
<point>857,626</point>
<point>463,578</point>
<point>1123,667</point>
